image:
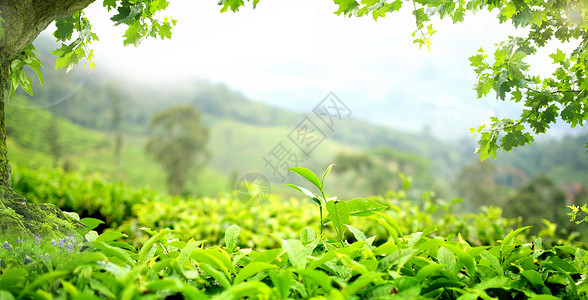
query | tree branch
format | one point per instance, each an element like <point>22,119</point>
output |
<point>24,20</point>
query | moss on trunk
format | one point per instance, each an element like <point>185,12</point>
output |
<point>20,218</point>
<point>23,21</point>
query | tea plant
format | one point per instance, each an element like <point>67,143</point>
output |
<point>418,266</point>
<point>339,211</point>
<point>402,251</point>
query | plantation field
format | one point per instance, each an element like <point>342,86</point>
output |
<point>154,246</point>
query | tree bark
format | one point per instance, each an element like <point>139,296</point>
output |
<point>24,20</point>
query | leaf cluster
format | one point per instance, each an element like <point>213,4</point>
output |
<point>414,266</point>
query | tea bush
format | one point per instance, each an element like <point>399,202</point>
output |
<point>373,248</point>
<point>128,209</point>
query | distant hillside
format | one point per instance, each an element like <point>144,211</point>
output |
<point>27,125</point>
<point>564,160</point>
<point>243,132</point>
<point>87,97</point>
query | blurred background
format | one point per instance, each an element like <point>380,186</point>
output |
<point>249,92</point>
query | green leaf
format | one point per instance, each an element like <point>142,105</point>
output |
<point>270,255</point>
<point>91,236</point>
<point>109,236</point>
<point>187,252</point>
<point>347,7</point>
<point>296,253</point>
<point>339,215</point>
<point>539,16</point>
<point>69,288</point>
<point>206,257</point>
<point>447,257</point>
<point>509,10</point>
<point>483,86</point>
<point>558,57</point>
<point>494,263</point>
<point>149,243</point>
<point>65,29</point>
<point>246,290</point>
<point>307,235</point>
<point>392,223</point>
<point>536,281</point>
<point>429,270</point>
<point>414,238</point>
<point>318,277</point>
<point>327,171</point>
<point>564,265</point>
<point>359,235</point>
<point>281,282</point>
<point>509,238</point>
<point>544,297</point>
<point>386,8</point>
<point>362,207</point>
<point>91,223</point>
<point>250,270</point>
<point>163,284</point>
<point>307,193</point>
<point>134,34</point>
<point>396,258</point>
<point>308,175</point>
<point>515,139</point>
<point>360,283</point>
<point>216,274</point>
<point>231,235</point>
<point>110,4</point>
<point>114,252</point>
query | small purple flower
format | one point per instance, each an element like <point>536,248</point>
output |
<point>47,257</point>
<point>70,247</point>
<point>53,242</point>
<point>6,246</point>
<point>37,240</point>
<point>19,241</point>
<point>27,260</point>
<point>62,243</point>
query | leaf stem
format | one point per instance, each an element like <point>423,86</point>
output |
<point>321,215</point>
<point>321,210</point>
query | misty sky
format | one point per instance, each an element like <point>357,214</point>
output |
<point>292,53</point>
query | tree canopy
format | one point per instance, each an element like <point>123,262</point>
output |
<point>178,143</point>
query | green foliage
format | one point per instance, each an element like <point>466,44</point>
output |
<point>421,265</point>
<point>339,211</point>
<point>70,54</point>
<point>17,75</point>
<point>75,34</point>
<point>141,19</point>
<point>72,192</point>
<point>576,213</point>
<point>215,248</point>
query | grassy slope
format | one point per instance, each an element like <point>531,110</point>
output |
<point>27,125</point>
<point>234,147</point>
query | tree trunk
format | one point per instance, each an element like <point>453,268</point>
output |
<point>24,20</point>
